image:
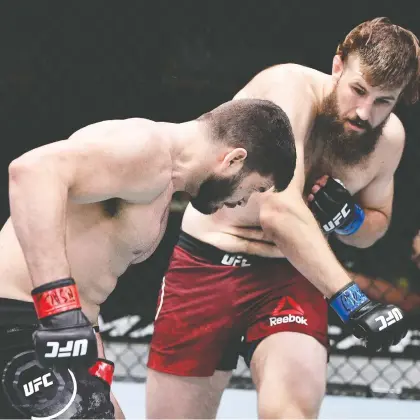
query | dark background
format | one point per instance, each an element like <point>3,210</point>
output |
<point>68,64</point>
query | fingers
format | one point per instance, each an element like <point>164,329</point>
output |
<point>319,183</point>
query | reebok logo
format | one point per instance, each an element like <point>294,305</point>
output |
<point>287,311</point>
<point>288,319</point>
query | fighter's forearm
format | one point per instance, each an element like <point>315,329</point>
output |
<point>118,413</point>
<point>292,227</point>
<point>38,201</point>
<point>373,228</point>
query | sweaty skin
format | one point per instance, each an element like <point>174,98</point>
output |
<point>280,224</point>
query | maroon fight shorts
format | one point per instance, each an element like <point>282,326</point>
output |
<point>215,305</point>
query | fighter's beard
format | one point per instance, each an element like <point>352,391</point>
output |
<point>337,144</point>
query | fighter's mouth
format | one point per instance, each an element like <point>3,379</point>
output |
<point>356,126</point>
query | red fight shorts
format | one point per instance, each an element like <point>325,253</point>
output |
<point>215,306</point>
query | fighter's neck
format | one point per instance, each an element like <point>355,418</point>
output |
<point>191,155</point>
<point>326,86</point>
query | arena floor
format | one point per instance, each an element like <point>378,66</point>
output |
<point>241,404</point>
<point>379,373</point>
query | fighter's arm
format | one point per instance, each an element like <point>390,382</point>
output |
<point>377,197</point>
<point>100,161</point>
<point>285,217</point>
<point>289,223</point>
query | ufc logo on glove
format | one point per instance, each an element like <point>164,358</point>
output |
<point>393,316</point>
<point>73,348</point>
<point>65,335</point>
<point>335,209</point>
<point>368,319</point>
<point>337,220</point>
<point>33,386</point>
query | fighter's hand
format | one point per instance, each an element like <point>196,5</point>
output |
<point>65,337</point>
<point>334,208</point>
<point>379,325</point>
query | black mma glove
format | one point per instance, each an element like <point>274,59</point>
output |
<point>379,325</point>
<point>335,209</point>
<point>65,337</point>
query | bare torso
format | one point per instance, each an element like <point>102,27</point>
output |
<point>238,230</point>
<point>230,229</point>
<point>102,240</point>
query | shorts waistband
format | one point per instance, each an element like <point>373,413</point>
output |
<point>218,256</point>
<point>17,312</point>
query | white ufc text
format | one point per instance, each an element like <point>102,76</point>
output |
<point>73,348</point>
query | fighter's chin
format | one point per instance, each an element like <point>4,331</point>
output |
<point>207,210</point>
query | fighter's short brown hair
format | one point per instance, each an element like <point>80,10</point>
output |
<point>389,54</point>
<point>263,129</point>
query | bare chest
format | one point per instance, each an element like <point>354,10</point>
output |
<point>354,177</point>
<point>138,228</point>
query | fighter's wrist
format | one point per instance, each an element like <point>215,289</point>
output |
<point>354,224</point>
<point>55,297</point>
<point>347,300</point>
<point>103,369</point>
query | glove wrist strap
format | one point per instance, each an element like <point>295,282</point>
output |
<point>355,224</point>
<point>103,369</point>
<point>56,297</point>
<point>348,300</point>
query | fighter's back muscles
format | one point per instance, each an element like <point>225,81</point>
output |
<point>108,159</point>
<point>285,217</point>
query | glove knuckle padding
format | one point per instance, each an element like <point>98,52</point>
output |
<point>383,330</point>
<point>329,202</point>
<point>62,392</point>
<point>379,325</point>
<point>65,336</point>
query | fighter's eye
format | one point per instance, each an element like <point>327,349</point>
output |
<point>382,101</point>
<point>262,189</point>
<point>358,91</point>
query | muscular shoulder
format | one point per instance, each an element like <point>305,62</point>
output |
<point>130,156</point>
<point>289,77</point>
<point>391,143</point>
<point>130,137</point>
<point>140,130</point>
<point>393,134</point>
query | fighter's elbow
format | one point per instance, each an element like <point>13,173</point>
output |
<point>365,239</point>
<point>33,169</point>
<point>22,168</point>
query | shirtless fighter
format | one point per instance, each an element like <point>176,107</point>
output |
<point>221,286</point>
<point>83,210</point>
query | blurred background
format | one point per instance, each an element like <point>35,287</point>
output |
<point>66,65</point>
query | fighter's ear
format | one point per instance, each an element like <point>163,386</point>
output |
<point>337,68</point>
<point>234,160</point>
